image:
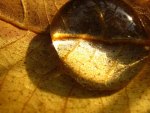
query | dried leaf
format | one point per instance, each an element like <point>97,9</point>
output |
<point>29,77</point>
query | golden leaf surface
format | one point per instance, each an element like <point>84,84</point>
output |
<point>30,80</point>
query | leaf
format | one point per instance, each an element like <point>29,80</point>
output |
<point>30,80</point>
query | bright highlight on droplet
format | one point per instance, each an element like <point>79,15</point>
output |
<point>130,18</point>
<point>57,35</point>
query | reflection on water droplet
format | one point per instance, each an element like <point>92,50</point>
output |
<point>97,41</point>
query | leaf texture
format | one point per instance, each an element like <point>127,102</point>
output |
<point>30,80</point>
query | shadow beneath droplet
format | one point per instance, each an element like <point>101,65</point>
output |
<point>43,66</point>
<point>44,69</point>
